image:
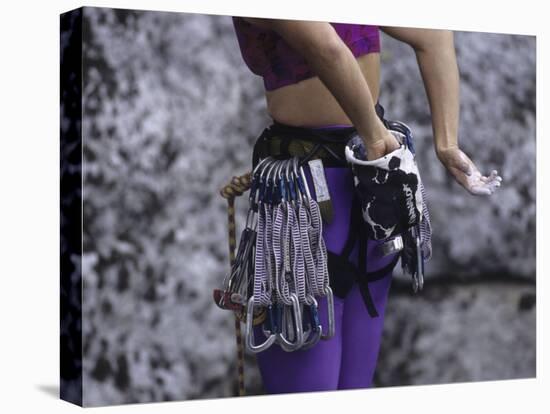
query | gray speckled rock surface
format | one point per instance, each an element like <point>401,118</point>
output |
<point>457,333</point>
<point>170,114</point>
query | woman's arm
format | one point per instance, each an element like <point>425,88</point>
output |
<point>333,62</point>
<point>436,58</point>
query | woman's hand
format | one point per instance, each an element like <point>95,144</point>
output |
<point>383,146</point>
<point>466,173</point>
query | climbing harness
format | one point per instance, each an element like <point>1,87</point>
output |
<point>282,266</point>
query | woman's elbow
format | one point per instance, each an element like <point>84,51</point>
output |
<point>329,52</point>
<point>314,40</point>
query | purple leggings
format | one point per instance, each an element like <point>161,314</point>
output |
<point>347,360</point>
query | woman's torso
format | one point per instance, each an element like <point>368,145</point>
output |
<point>307,102</point>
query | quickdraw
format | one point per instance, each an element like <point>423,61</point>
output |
<point>281,263</point>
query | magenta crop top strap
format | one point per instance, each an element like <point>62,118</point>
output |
<point>268,55</point>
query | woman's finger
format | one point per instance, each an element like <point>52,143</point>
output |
<point>480,190</point>
<point>494,184</point>
<point>492,177</point>
<point>490,185</point>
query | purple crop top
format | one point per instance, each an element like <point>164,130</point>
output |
<point>268,55</point>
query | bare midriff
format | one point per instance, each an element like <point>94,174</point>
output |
<point>309,103</point>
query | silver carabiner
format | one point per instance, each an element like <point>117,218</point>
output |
<point>317,335</point>
<point>259,165</point>
<point>330,306</point>
<point>249,331</point>
<point>259,172</point>
<point>274,164</point>
<point>294,172</point>
<point>419,258</point>
<point>279,178</point>
<point>291,176</point>
<point>297,334</point>
<point>304,180</point>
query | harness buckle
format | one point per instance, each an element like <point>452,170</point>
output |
<point>392,246</point>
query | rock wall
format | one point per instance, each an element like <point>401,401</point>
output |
<point>459,333</point>
<point>170,114</point>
